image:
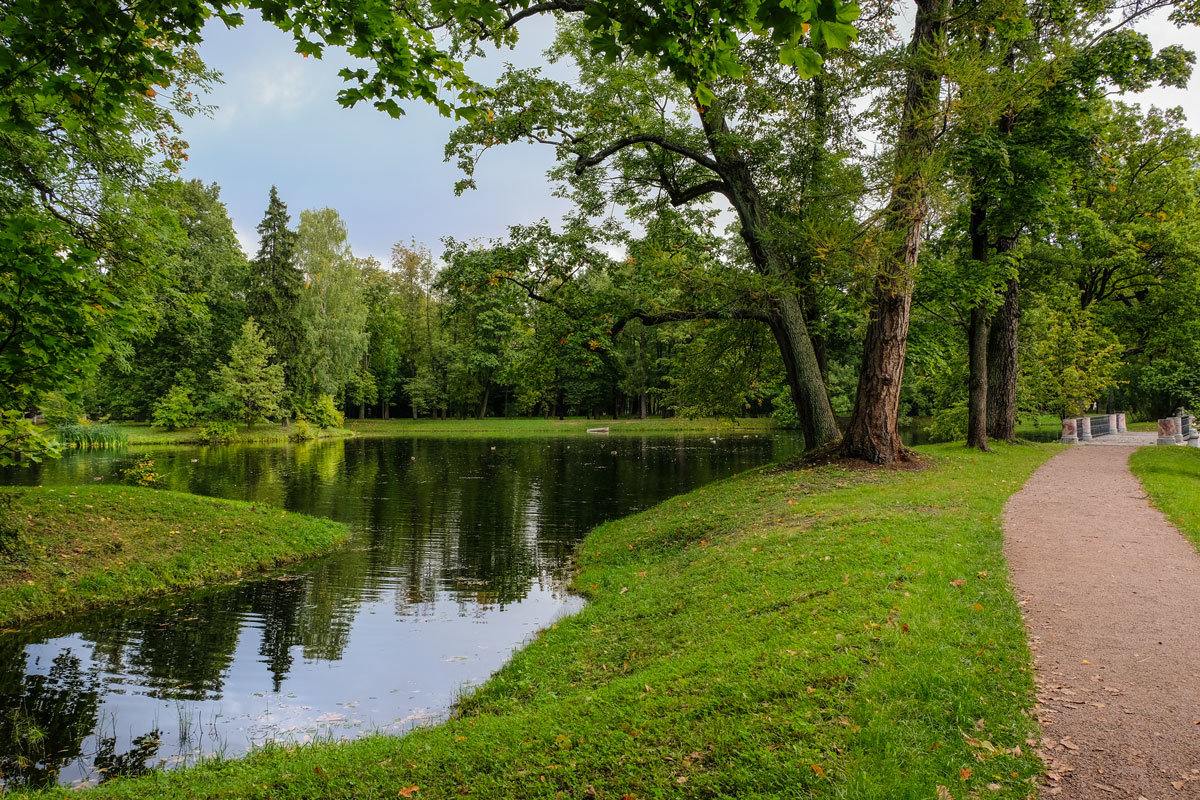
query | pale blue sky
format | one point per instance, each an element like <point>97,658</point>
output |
<point>278,122</point>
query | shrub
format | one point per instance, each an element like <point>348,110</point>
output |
<point>948,425</point>
<point>142,473</point>
<point>175,410</point>
<point>324,413</point>
<point>58,410</point>
<point>302,431</point>
<point>21,442</point>
<point>220,431</point>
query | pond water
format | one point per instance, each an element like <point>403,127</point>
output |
<point>461,550</point>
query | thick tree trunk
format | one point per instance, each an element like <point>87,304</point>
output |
<point>642,410</point>
<point>977,383</point>
<point>1003,366</point>
<point>874,433</point>
<point>362,410</point>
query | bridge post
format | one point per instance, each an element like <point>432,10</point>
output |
<point>1069,432</point>
<point>1167,426</point>
<point>1121,424</point>
<point>1085,428</point>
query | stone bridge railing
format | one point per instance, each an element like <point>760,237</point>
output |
<point>1084,429</point>
<point>1179,429</point>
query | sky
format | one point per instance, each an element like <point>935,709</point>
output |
<point>277,122</point>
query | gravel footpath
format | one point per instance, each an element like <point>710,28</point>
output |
<point>1111,597</point>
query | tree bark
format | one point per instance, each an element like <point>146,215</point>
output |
<point>873,434</point>
<point>786,316</point>
<point>487,388</point>
<point>977,332</point>
<point>817,422</point>
<point>977,383</point>
<point>1003,365</point>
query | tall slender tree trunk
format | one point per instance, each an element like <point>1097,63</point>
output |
<point>487,388</point>
<point>1003,365</point>
<point>977,382</point>
<point>874,434</point>
<point>817,422</point>
<point>977,332</point>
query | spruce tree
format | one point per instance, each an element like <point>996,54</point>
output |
<point>273,295</point>
<point>250,380</point>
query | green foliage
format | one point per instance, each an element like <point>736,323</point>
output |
<point>303,431</point>
<point>331,310</point>
<point>21,442</point>
<point>324,412</point>
<point>175,410</point>
<point>218,432</point>
<point>948,424</point>
<point>1073,361</point>
<point>250,379</point>
<point>142,473</point>
<point>274,287</point>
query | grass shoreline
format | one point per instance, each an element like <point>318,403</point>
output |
<point>69,549</point>
<point>777,634</point>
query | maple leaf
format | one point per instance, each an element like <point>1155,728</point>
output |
<point>408,791</point>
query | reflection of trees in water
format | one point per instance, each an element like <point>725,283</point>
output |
<point>44,719</point>
<point>110,764</point>
<point>433,516</point>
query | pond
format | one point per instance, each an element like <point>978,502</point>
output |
<point>461,550</point>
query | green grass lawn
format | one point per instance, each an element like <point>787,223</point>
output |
<point>522,426</point>
<point>827,634</point>
<point>65,549</point>
<point>145,433</point>
<point>1171,476</point>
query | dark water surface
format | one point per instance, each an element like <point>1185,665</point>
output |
<point>461,550</point>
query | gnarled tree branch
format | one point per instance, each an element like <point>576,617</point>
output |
<point>584,162</point>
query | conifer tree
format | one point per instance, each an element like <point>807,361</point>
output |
<point>250,380</point>
<point>273,295</point>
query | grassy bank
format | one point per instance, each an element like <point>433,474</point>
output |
<point>136,433</point>
<point>519,426</point>
<point>70,548</point>
<point>1171,476</point>
<point>825,634</point>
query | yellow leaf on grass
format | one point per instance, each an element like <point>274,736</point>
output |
<point>408,791</point>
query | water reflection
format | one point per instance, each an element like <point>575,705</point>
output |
<point>460,552</point>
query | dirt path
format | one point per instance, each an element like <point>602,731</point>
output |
<point>1111,596</point>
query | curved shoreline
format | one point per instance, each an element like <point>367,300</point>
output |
<point>75,548</point>
<point>771,634</point>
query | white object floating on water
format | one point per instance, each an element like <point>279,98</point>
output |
<point>597,430</point>
<point>493,447</point>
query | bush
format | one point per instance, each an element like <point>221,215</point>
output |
<point>324,413</point>
<point>949,424</point>
<point>302,431</point>
<point>58,410</point>
<point>175,410</point>
<point>220,431</point>
<point>142,473</point>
